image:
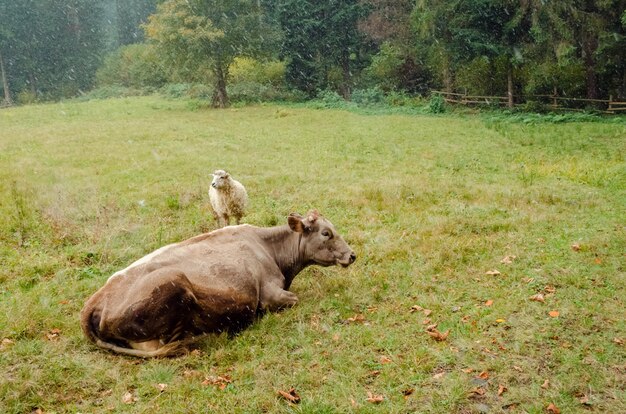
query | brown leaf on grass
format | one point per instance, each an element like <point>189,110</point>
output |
<point>373,374</point>
<point>546,384</point>
<point>407,391</point>
<point>426,321</point>
<point>508,259</point>
<point>483,375</point>
<point>385,360</point>
<point>501,389</point>
<point>576,247</point>
<point>427,312</point>
<point>129,398</point>
<point>358,318</point>
<point>6,342</point>
<point>37,411</point>
<point>518,369</point>
<point>554,313</point>
<point>597,260</point>
<point>493,272</point>
<point>416,308</point>
<point>439,375</point>
<point>468,370</point>
<point>618,341</point>
<point>553,409</point>
<point>432,327</point>
<point>549,289</point>
<point>161,387</point>
<point>374,399</point>
<point>477,392</point>
<point>220,381</point>
<point>489,302</point>
<point>438,336</point>
<point>53,334</point>
<point>538,298</point>
<point>291,395</point>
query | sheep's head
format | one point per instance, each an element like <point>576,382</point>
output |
<point>220,179</point>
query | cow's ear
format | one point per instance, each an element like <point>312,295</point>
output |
<point>295,223</point>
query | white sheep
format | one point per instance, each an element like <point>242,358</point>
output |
<point>228,198</point>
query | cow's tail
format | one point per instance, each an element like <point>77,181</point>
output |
<point>173,348</point>
<point>90,321</point>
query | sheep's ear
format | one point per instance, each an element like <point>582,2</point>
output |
<point>226,175</point>
<point>295,223</point>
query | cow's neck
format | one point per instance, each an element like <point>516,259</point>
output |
<point>285,245</point>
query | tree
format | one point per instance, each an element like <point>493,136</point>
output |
<point>212,33</point>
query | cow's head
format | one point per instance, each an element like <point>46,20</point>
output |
<point>220,178</point>
<point>320,242</point>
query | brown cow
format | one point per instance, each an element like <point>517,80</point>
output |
<point>214,282</point>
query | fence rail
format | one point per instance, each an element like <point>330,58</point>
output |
<point>553,101</point>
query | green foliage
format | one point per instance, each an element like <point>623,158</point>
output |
<point>385,68</point>
<point>133,66</point>
<point>436,104</point>
<point>368,97</point>
<point>330,100</point>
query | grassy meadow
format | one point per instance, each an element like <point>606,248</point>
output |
<point>510,236</point>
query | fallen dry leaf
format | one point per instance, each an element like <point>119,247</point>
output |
<point>478,391</point>
<point>426,321</point>
<point>483,375</point>
<point>6,342</point>
<point>53,334</point>
<point>37,411</point>
<point>508,259</point>
<point>439,375</point>
<point>408,391</point>
<point>438,336</point>
<point>468,370</point>
<point>291,395</point>
<point>129,398</point>
<point>385,360</point>
<point>549,289</point>
<point>427,312</point>
<point>554,313</point>
<point>538,298</point>
<point>220,381</point>
<point>500,320</point>
<point>489,302</point>
<point>493,272</point>
<point>431,327</point>
<point>518,369</point>
<point>373,374</point>
<point>618,341</point>
<point>416,308</point>
<point>597,260</point>
<point>501,389</point>
<point>576,247</point>
<point>553,409</point>
<point>358,318</point>
<point>545,385</point>
<point>161,387</point>
<point>374,399</point>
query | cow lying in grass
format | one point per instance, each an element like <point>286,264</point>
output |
<point>213,282</point>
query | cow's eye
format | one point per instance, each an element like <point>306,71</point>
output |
<point>325,233</point>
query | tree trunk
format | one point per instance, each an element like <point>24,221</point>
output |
<point>590,45</point>
<point>346,91</point>
<point>509,83</point>
<point>220,96</point>
<point>5,83</point>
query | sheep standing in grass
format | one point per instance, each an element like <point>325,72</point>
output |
<point>228,198</point>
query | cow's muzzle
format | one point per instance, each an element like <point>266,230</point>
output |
<point>349,261</point>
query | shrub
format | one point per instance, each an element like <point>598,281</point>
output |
<point>135,66</point>
<point>437,104</point>
<point>329,99</point>
<point>368,97</point>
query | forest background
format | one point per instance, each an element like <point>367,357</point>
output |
<point>294,50</point>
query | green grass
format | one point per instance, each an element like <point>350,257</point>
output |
<point>429,203</point>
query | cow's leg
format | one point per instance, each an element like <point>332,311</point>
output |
<point>274,297</point>
<point>156,310</point>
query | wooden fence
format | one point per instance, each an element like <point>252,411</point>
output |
<point>554,102</point>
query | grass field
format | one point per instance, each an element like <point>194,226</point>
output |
<point>457,221</point>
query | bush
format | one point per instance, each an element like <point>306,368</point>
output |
<point>368,97</point>
<point>133,66</point>
<point>248,70</point>
<point>437,104</point>
<point>329,99</point>
<point>114,91</point>
<point>176,90</point>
